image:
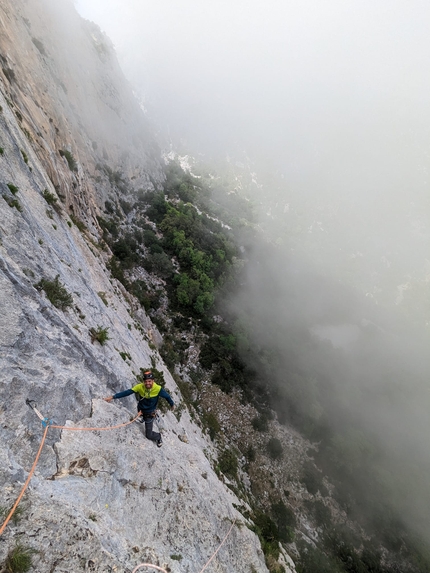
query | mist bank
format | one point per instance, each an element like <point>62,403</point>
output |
<point>364,399</point>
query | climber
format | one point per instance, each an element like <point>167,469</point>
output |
<point>149,393</point>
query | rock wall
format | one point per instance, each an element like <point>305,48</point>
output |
<point>99,501</point>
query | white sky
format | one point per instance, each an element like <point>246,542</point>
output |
<point>276,60</point>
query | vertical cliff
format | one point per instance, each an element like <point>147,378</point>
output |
<point>72,136</point>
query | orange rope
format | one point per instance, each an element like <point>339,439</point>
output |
<point>73,429</point>
<point>201,571</point>
<point>33,467</point>
<point>148,565</point>
<point>219,547</point>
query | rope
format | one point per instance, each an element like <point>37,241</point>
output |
<point>47,425</point>
<point>33,467</point>
<point>73,429</point>
<point>201,570</point>
<point>148,565</point>
<point>219,547</point>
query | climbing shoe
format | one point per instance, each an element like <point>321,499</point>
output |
<point>159,443</point>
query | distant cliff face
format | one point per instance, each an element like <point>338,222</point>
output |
<point>61,75</point>
<point>103,501</point>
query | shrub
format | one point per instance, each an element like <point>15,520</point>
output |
<point>286,521</point>
<point>147,298</point>
<point>28,136</point>
<point>49,197</point>
<point>211,423</point>
<point>322,514</point>
<point>100,334</point>
<point>312,478</point>
<point>228,463</point>
<point>13,203</point>
<point>24,156</point>
<point>13,188</point>
<point>55,292</point>
<point>274,448</point>
<point>250,454</point>
<point>267,531</point>
<point>125,206</point>
<point>18,559</point>
<point>313,560</point>
<point>259,423</point>
<point>108,227</point>
<point>73,166</point>
<point>125,250</point>
<point>117,272</point>
<point>81,226</point>
<point>1,150</point>
<point>125,355</point>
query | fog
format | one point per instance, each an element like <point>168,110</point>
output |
<point>327,104</point>
<point>330,97</point>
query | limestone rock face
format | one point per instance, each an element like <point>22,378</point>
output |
<point>64,85</point>
<point>99,500</point>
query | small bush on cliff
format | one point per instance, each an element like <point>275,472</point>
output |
<point>274,448</point>
<point>100,334</point>
<point>260,423</point>
<point>13,203</point>
<point>55,292</point>
<point>80,224</point>
<point>312,479</point>
<point>228,463</point>
<point>13,188</point>
<point>18,559</point>
<point>285,521</point>
<point>49,197</point>
<point>73,166</point>
<point>211,423</point>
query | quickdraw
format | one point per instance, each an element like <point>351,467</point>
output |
<point>45,421</point>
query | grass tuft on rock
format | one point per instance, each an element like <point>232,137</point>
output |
<point>19,559</point>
